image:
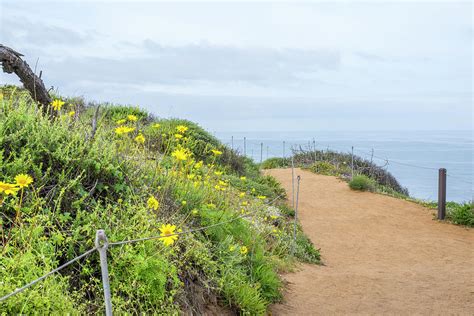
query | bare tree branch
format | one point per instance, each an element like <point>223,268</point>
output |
<point>12,63</point>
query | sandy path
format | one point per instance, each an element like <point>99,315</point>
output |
<point>382,255</point>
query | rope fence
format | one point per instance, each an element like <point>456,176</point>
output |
<point>262,149</point>
<point>102,244</point>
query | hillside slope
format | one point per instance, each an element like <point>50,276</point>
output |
<point>118,168</point>
<point>382,255</point>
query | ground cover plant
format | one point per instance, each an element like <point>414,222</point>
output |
<point>120,169</point>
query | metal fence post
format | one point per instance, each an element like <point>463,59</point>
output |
<point>102,244</point>
<point>232,143</point>
<point>296,212</point>
<point>442,193</point>
<point>352,162</point>
<point>293,181</point>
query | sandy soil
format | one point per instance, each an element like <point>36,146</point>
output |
<point>382,255</point>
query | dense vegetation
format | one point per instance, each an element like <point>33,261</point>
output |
<point>339,164</point>
<point>368,177</point>
<point>135,176</point>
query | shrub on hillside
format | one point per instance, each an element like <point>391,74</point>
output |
<point>461,214</point>
<point>276,162</point>
<point>342,162</point>
<point>362,183</point>
<point>324,168</point>
<point>130,180</point>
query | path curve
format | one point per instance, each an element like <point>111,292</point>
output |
<point>382,255</point>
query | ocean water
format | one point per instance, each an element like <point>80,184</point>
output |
<point>413,157</point>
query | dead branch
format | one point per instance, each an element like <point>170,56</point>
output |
<point>12,63</point>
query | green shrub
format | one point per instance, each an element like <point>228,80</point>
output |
<point>461,213</point>
<point>362,183</point>
<point>82,184</point>
<point>276,162</point>
<point>324,168</point>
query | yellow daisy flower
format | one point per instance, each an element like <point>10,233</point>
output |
<point>124,130</point>
<point>182,129</point>
<point>132,118</point>
<point>57,104</point>
<point>140,138</point>
<point>23,180</point>
<point>243,250</point>
<point>8,188</point>
<point>168,234</point>
<point>153,203</point>
<point>180,154</point>
<point>216,152</point>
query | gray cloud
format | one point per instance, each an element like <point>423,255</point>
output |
<point>16,30</point>
<point>161,64</point>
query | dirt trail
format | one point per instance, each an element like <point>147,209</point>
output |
<point>382,255</point>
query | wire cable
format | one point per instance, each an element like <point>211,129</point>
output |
<point>48,274</point>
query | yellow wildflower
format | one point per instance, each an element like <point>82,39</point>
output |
<point>168,234</point>
<point>23,180</point>
<point>195,211</point>
<point>242,194</point>
<point>121,122</point>
<point>132,118</point>
<point>124,130</point>
<point>243,250</point>
<point>182,129</point>
<point>231,248</point>
<point>183,203</point>
<point>199,165</point>
<point>71,113</point>
<point>180,154</point>
<point>261,197</point>
<point>216,152</point>
<point>140,138</point>
<point>153,203</point>
<point>8,188</point>
<point>156,125</point>
<point>57,104</point>
<point>243,178</point>
<point>178,136</point>
<point>245,203</point>
<point>218,173</point>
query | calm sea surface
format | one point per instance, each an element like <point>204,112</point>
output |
<point>413,157</point>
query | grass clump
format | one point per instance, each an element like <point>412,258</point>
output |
<point>362,183</point>
<point>135,177</point>
<point>461,213</point>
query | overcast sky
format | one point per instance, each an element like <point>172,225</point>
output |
<point>258,66</point>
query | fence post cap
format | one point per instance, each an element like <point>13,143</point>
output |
<point>101,241</point>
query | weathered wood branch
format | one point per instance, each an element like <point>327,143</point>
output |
<point>12,63</point>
